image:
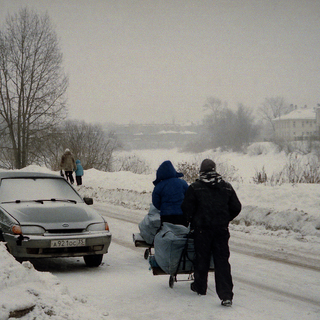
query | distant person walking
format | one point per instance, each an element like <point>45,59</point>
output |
<point>209,205</point>
<point>68,164</point>
<point>79,173</point>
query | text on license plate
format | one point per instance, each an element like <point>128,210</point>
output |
<point>68,243</point>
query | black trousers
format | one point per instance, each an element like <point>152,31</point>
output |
<point>213,242</point>
<point>79,180</point>
<point>69,176</point>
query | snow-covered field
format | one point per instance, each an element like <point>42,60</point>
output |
<point>286,215</point>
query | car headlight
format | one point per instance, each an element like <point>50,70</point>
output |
<point>102,226</point>
<point>32,230</point>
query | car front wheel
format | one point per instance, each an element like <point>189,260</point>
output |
<point>93,260</point>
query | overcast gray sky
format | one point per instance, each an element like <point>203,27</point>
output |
<point>159,60</point>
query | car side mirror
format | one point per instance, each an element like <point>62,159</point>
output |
<point>88,201</point>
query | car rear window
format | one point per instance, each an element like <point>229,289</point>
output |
<point>25,189</point>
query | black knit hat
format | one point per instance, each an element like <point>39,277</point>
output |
<point>207,165</point>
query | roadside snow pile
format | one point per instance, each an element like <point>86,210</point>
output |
<point>288,220</point>
<point>126,189</point>
<point>129,199</point>
<point>28,293</point>
<point>123,180</point>
<point>286,207</point>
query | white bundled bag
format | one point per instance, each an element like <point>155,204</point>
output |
<point>150,225</point>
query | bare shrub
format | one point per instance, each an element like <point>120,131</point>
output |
<point>190,171</point>
<point>260,148</point>
<point>298,169</point>
<point>228,172</point>
<point>302,169</point>
<point>131,163</point>
<point>260,176</point>
<point>303,147</point>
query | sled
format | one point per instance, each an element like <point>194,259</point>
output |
<point>141,243</point>
<point>185,265</point>
<point>177,256</point>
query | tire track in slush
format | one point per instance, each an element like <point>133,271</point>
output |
<point>278,291</point>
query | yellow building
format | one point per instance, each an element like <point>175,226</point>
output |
<point>300,124</point>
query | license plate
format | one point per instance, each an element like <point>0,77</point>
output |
<point>68,243</point>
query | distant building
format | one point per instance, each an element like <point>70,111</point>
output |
<point>300,124</point>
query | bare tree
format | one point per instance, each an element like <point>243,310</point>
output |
<point>49,154</point>
<point>245,130</point>
<point>273,108</point>
<point>32,84</point>
<point>215,106</point>
<point>229,129</point>
<point>89,143</point>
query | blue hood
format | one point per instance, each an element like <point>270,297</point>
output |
<point>166,171</point>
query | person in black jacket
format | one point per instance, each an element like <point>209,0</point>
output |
<point>209,205</point>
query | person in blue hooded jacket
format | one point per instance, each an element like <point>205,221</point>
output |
<point>79,173</point>
<point>168,194</point>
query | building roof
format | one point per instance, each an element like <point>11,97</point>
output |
<point>299,114</point>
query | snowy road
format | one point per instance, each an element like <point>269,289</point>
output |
<point>124,288</point>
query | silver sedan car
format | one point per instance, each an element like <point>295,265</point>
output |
<point>42,215</point>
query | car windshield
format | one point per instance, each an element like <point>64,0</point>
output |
<point>30,189</point>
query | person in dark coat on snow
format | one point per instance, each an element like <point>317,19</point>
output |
<point>168,194</point>
<point>209,205</point>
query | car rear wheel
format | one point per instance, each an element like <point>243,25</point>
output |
<point>93,260</point>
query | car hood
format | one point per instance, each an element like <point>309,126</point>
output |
<point>52,215</point>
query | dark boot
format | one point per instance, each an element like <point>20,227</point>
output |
<point>194,289</point>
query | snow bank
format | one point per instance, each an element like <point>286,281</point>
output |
<point>289,220</point>
<point>27,292</point>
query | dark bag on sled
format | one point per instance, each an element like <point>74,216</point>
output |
<point>169,244</point>
<point>150,225</point>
